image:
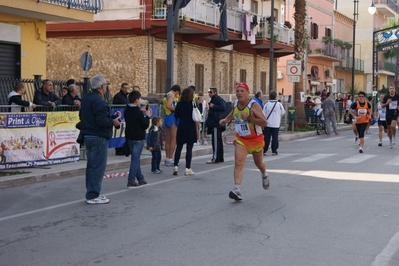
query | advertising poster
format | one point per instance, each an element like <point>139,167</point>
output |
<point>35,139</point>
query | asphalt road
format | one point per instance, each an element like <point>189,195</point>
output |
<point>327,205</point>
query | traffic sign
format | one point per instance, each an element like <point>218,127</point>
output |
<point>294,67</point>
<point>294,78</point>
<point>86,62</point>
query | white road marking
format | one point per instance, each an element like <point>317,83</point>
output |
<point>384,258</point>
<point>394,161</point>
<point>306,139</point>
<point>313,158</point>
<point>269,157</point>
<point>357,158</point>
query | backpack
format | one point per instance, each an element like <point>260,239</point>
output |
<point>227,110</point>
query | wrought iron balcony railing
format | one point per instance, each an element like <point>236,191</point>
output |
<point>347,64</point>
<point>387,66</point>
<point>94,6</point>
<point>390,3</point>
<point>207,13</point>
<point>317,47</point>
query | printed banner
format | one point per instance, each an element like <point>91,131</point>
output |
<point>36,139</point>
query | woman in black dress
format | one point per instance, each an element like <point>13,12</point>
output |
<point>186,132</point>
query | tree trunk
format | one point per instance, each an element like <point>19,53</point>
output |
<point>299,53</point>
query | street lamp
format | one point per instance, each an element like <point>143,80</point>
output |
<point>355,17</point>
<point>372,9</point>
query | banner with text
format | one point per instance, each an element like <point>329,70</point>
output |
<point>36,139</point>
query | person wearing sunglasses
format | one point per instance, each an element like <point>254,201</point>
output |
<point>216,106</point>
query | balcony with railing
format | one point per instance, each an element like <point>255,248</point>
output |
<point>53,10</point>
<point>326,50</point>
<point>281,33</point>
<point>348,63</point>
<point>85,5</point>
<point>208,14</point>
<point>386,66</point>
<point>387,7</point>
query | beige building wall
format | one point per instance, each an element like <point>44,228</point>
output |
<point>133,60</point>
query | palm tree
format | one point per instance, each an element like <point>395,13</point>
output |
<point>299,53</point>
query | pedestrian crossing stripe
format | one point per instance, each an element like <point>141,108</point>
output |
<point>313,158</point>
<point>333,138</point>
<point>351,159</point>
<point>357,158</point>
<point>394,161</point>
<point>279,156</point>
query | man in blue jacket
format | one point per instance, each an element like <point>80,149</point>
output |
<point>216,106</point>
<point>96,127</point>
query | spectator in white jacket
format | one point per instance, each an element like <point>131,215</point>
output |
<point>273,111</point>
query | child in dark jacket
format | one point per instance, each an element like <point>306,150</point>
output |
<point>155,144</point>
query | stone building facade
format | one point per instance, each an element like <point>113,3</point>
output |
<point>134,59</point>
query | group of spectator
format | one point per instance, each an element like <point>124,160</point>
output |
<point>45,99</point>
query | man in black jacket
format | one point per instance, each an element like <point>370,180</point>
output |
<point>46,97</point>
<point>121,96</point>
<point>216,106</point>
<point>96,126</point>
<point>72,98</point>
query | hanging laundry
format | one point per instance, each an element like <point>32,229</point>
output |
<point>246,27</point>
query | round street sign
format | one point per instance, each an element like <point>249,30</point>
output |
<point>86,61</point>
<point>294,68</point>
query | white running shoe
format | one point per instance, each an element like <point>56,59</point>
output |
<point>175,169</point>
<point>188,171</point>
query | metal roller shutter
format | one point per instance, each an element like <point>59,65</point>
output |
<point>10,60</point>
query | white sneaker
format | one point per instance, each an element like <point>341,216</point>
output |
<point>188,171</point>
<point>98,200</point>
<point>169,162</point>
<point>175,169</point>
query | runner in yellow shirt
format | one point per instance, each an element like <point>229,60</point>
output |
<point>249,121</point>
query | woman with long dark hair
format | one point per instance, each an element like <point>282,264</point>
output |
<point>186,132</point>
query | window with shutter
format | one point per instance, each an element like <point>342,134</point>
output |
<point>199,77</point>
<point>160,75</point>
<point>243,75</point>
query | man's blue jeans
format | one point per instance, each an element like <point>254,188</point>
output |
<point>136,148</point>
<point>97,153</point>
